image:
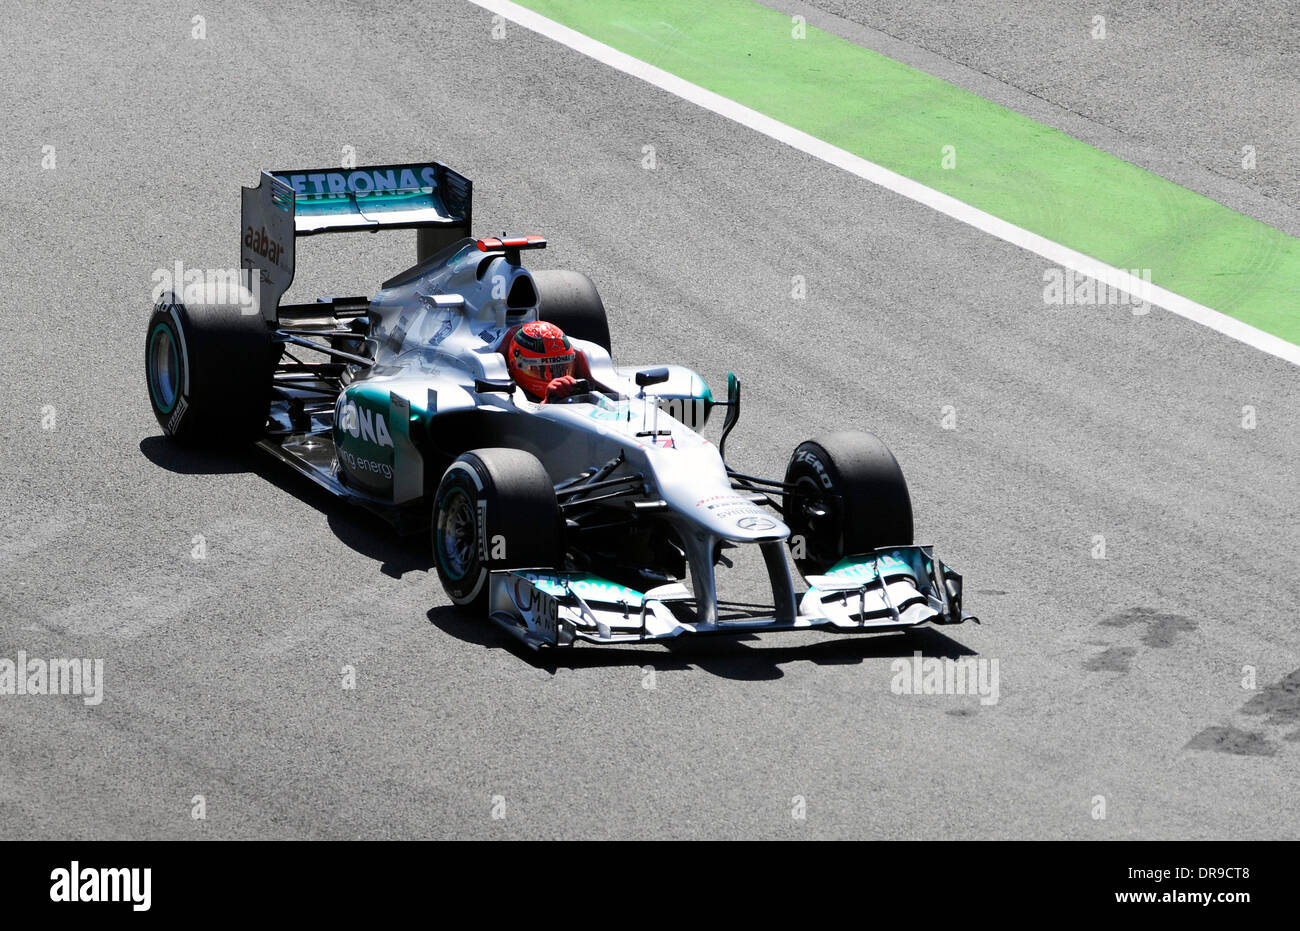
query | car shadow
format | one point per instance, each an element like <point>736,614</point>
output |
<point>743,656</point>
<point>189,460</point>
<point>364,532</point>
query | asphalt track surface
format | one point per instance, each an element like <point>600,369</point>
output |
<point>1119,677</point>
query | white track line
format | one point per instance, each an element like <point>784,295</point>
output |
<point>870,171</point>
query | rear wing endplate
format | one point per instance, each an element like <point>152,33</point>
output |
<point>429,198</point>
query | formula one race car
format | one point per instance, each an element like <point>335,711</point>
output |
<point>590,511</point>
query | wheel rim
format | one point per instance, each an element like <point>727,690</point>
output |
<point>457,534</point>
<point>821,534</point>
<point>164,368</point>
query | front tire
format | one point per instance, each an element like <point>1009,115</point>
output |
<point>494,509</point>
<point>208,371</point>
<point>853,499</point>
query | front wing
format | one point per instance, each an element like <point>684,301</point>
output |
<point>889,589</point>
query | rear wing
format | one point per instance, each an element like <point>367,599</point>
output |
<point>429,198</point>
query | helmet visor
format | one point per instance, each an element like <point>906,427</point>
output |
<point>546,368</point>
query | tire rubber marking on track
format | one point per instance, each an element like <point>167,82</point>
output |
<point>906,187</point>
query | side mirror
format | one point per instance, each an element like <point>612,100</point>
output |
<point>484,386</point>
<point>649,377</point>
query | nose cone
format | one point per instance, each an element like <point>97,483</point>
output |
<point>695,482</point>
<point>734,517</point>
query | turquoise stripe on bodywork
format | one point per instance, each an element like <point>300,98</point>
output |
<point>587,587</point>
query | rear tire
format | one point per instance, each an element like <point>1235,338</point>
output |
<point>208,371</point>
<point>570,301</point>
<point>494,509</point>
<point>856,482</point>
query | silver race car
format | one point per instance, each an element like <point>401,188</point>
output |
<point>598,513</point>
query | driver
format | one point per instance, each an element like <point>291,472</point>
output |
<point>541,360</point>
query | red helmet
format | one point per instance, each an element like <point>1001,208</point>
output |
<point>538,353</point>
